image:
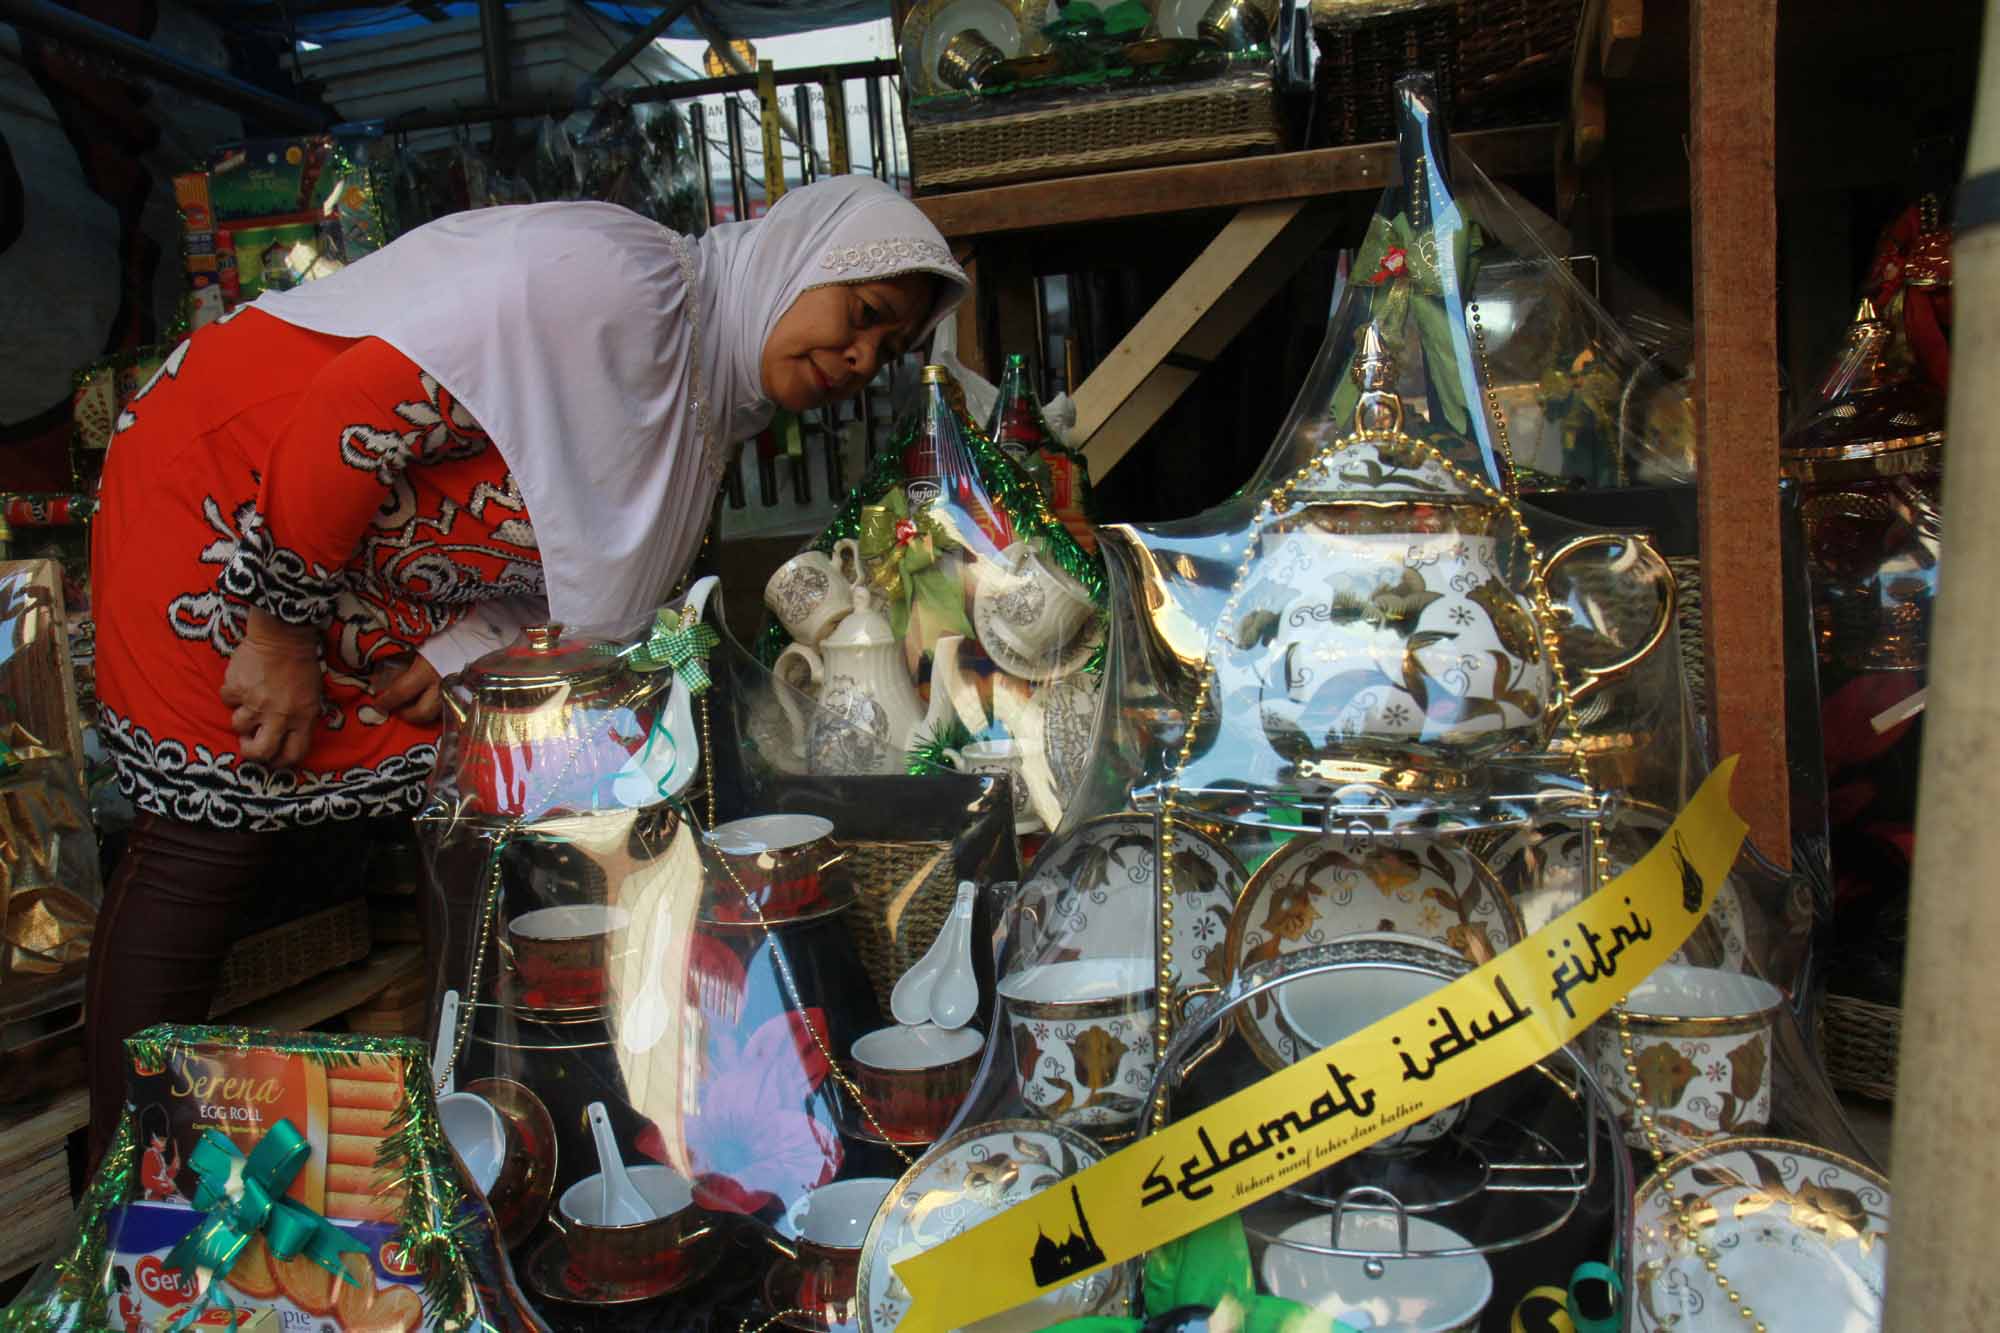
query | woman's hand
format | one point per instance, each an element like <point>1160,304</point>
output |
<point>412,692</point>
<point>273,684</point>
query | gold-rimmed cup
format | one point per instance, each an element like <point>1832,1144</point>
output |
<point>657,1248</point>
<point>1234,25</point>
<point>1083,1043</point>
<point>913,1078</point>
<point>1702,1040</point>
<point>968,59</point>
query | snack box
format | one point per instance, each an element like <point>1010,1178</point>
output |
<point>385,1296</point>
<point>345,1110</point>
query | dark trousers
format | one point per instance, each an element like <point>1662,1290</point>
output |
<point>176,902</point>
<point>162,932</point>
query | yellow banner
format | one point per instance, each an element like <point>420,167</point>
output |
<point>1483,1027</point>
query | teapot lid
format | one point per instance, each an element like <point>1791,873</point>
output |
<point>1380,462</point>
<point>543,658</point>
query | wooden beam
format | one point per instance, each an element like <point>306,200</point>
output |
<point>1620,28</point>
<point>1733,55</point>
<point>1114,195</point>
<point>1190,325</point>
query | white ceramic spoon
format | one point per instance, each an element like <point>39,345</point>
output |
<point>622,1205</point>
<point>447,1038</point>
<point>939,974</point>
<point>644,1021</point>
<point>955,996</point>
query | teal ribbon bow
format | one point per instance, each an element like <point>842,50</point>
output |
<point>1210,1268</point>
<point>241,1197</point>
<point>679,640</point>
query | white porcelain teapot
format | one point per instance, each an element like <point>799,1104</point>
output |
<point>1388,620</point>
<point>868,713</point>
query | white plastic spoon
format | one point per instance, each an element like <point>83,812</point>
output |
<point>644,1021</point>
<point>621,1204</point>
<point>955,996</point>
<point>910,1001</point>
<point>447,1039</point>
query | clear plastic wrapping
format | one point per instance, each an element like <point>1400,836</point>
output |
<point>668,945</point>
<point>946,621</point>
<point>1364,729</point>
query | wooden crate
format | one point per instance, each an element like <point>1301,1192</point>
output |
<point>39,681</point>
<point>34,1181</point>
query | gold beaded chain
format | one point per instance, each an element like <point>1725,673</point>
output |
<point>1512,478</point>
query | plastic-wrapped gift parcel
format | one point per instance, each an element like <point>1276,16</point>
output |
<point>946,621</point>
<point>1398,961</point>
<point>666,960</point>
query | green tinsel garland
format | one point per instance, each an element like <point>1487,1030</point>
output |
<point>1007,485</point>
<point>435,1215</point>
<point>926,756</point>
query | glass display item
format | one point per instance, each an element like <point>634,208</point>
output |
<point>1018,427</point>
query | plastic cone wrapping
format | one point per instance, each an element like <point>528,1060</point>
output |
<point>1364,729</point>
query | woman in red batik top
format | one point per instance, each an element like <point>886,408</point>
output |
<point>329,499</point>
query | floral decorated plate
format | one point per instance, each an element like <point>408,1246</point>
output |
<point>1317,889</point>
<point>1542,865</point>
<point>1800,1232</point>
<point>958,1184</point>
<point>1096,884</point>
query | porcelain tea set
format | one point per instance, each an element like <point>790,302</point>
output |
<point>851,705</point>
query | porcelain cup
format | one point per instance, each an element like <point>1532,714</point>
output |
<point>809,595</point>
<point>635,1251</point>
<point>913,1078</point>
<point>1034,606</point>
<point>1702,1040</point>
<point>1083,1040</point>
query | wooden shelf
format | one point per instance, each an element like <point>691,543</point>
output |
<point>53,1123</point>
<point>1115,195</point>
<point>329,996</point>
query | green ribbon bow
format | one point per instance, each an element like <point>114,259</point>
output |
<point>1400,268</point>
<point>1211,1268</point>
<point>240,1197</point>
<point>681,641</point>
<point>901,555</point>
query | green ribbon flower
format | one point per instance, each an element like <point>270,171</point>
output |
<point>901,554</point>
<point>240,1197</point>
<point>1405,276</point>
<point>1210,1268</point>
<point>679,641</point>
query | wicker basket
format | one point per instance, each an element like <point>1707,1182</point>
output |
<point>1687,616</point>
<point>1354,85</point>
<point>1859,1039</point>
<point>277,959</point>
<point>906,890</point>
<point>1193,124</point>
<point>1513,60</point>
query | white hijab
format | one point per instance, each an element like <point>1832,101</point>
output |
<point>615,363</point>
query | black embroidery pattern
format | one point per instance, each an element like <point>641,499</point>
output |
<point>201,786</point>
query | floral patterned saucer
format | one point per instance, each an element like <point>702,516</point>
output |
<point>1801,1232</point>
<point>1314,890</point>
<point>958,1184</point>
<point>1097,884</point>
<point>1542,866</point>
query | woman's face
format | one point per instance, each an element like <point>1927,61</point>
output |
<point>833,339</point>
